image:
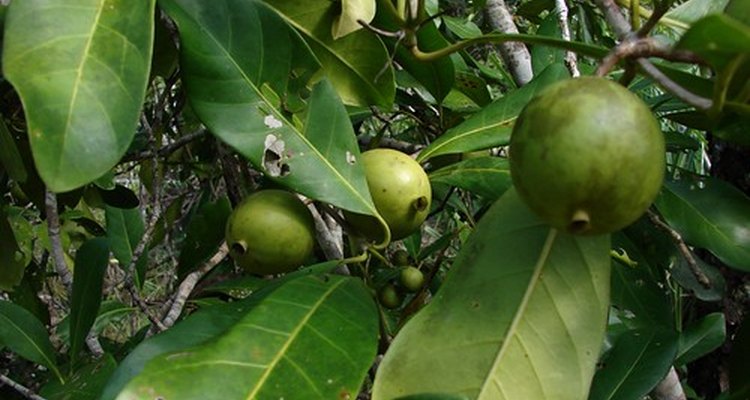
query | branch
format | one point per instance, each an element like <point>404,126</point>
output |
<point>189,283</point>
<point>23,390</point>
<point>615,18</point>
<point>571,61</point>
<point>684,249</point>
<point>515,54</point>
<point>53,229</point>
<point>669,388</point>
<point>673,87</point>
<point>168,149</point>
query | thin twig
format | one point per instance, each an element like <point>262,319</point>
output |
<point>188,284</point>
<point>571,61</point>
<point>168,149</point>
<point>53,229</point>
<point>673,87</point>
<point>23,390</point>
<point>682,247</point>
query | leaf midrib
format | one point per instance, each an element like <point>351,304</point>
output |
<point>535,277</point>
<point>281,353</point>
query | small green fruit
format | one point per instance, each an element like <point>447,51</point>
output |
<point>270,232</point>
<point>412,279</point>
<point>389,297</point>
<point>400,258</point>
<point>587,156</point>
<point>401,193</point>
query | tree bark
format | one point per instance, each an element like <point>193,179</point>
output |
<point>515,54</point>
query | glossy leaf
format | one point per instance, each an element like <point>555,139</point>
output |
<point>85,384</point>
<point>701,338</point>
<point>636,364</point>
<point>353,63</point>
<point>92,259</point>
<point>200,327</point>
<point>717,39</point>
<point>488,177</point>
<point>11,256</point>
<point>493,125</point>
<point>231,50</point>
<point>205,233</point>
<point>82,82</point>
<point>125,228</point>
<point>314,337</point>
<point>23,334</point>
<point>521,315</point>
<point>693,10</point>
<point>690,207</point>
<point>351,12</point>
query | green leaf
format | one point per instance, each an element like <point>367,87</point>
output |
<point>12,258</point>
<point>701,338</point>
<point>690,207</point>
<point>10,158</point>
<point>225,80</point>
<point>205,233</point>
<point>493,125</point>
<point>693,10</point>
<point>125,228</point>
<point>354,63</point>
<point>200,327</point>
<point>717,39</point>
<point>521,315</point>
<point>351,12</point>
<point>109,312</point>
<point>23,334</point>
<point>82,82</point>
<point>314,337</point>
<point>636,290</point>
<point>92,259</point>
<point>636,364</point>
<point>488,177</point>
<point>543,56</point>
<point>85,384</point>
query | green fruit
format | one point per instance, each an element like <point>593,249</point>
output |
<point>270,232</point>
<point>412,279</point>
<point>389,297</point>
<point>587,156</point>
<point>400,191</point>
<point>400,258</point>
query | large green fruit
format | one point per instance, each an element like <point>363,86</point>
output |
<point>400,191</point>
<point>587,156</point>
<point>270,232</point>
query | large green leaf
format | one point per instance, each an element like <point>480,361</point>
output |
<point>232,51</point>
<point>492,126</point>
<point>486,176</point>
<point>690,206</point>
<point>23,334</point>
<point>636,364</point>
<point>200,327</point>
<point>81,69</point>
<point>354,63</point>
<point>352,11</point>
<point>313,338</point>
<point>521,316</point>
<point>717,39</point>
<point>92,259</point>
